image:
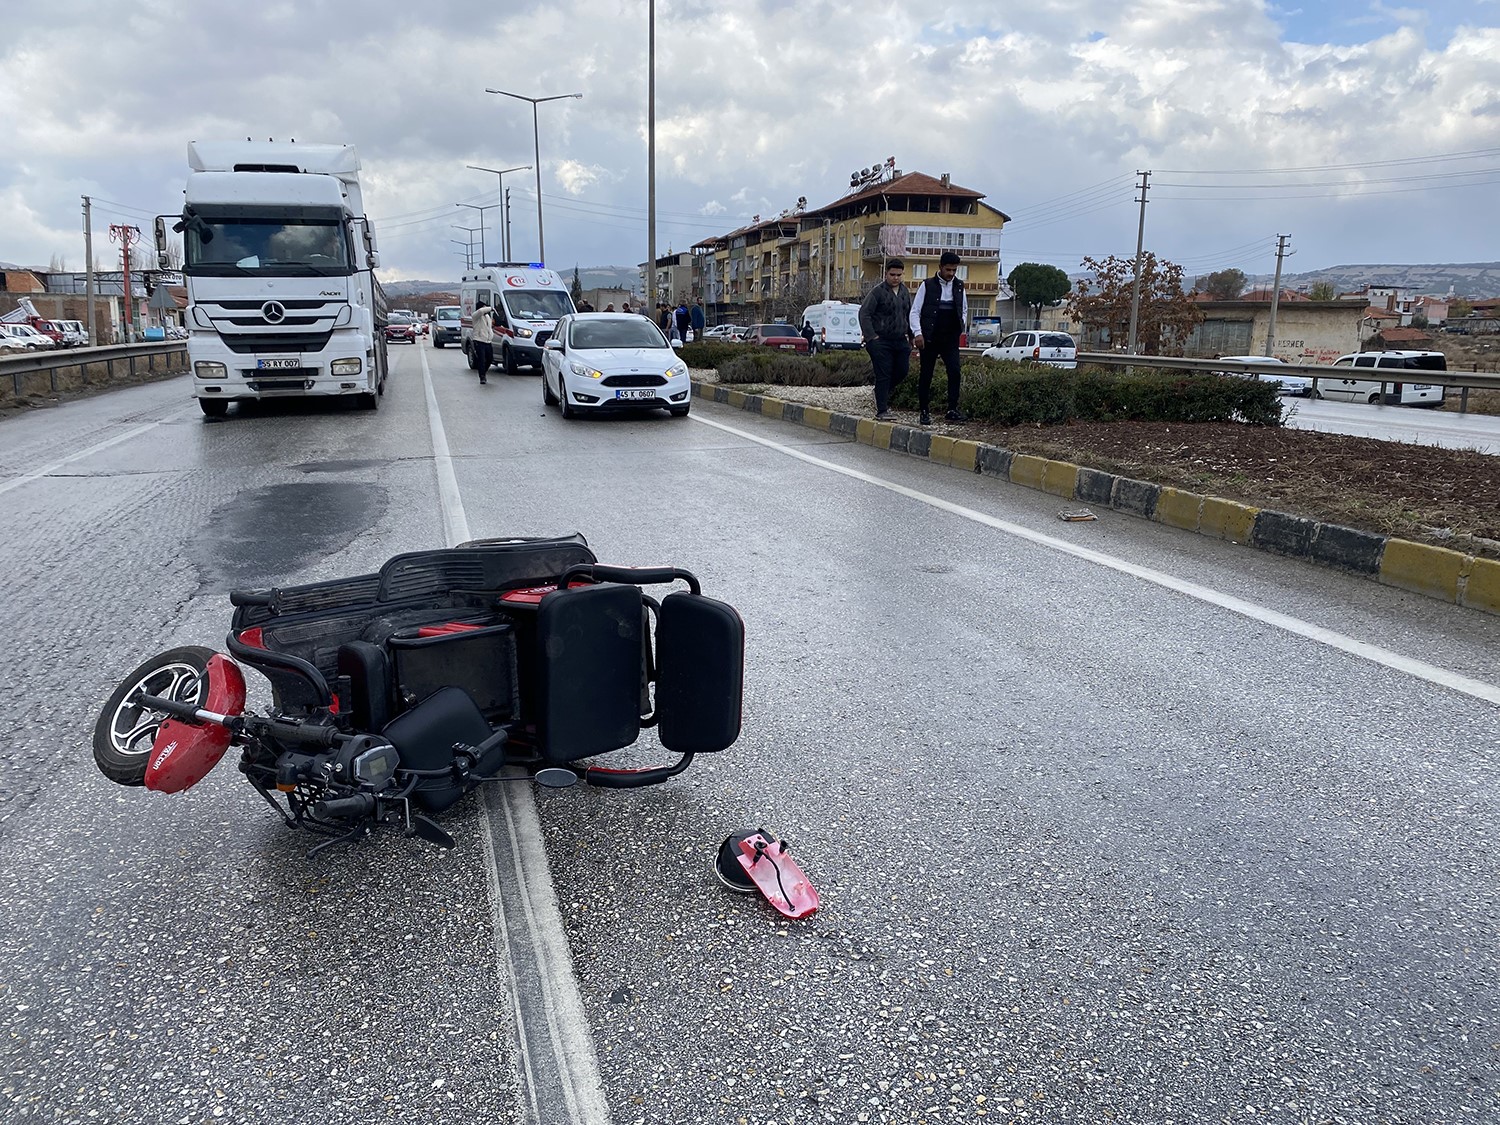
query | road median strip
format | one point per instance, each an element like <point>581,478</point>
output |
<point>1420,568</point>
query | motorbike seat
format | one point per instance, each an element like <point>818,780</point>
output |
<point>590,649</point>
<point>700,675</point>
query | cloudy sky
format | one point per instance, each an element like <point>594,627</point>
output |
<point>1369,132</point>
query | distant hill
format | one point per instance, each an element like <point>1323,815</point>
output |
<point>1470,279</point>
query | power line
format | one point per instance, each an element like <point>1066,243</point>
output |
<point>1468,154</point>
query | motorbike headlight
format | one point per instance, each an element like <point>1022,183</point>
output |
<point>207,369</point>
<point>585,371</point>
<point>346,366</point>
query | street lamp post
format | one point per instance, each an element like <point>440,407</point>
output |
<point>500,190</point>
<point>536,154</point>
<point>480,228</point>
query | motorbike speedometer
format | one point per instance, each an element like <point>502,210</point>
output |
<point>376,766</point>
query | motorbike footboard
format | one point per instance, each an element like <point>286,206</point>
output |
<point>426,736</point>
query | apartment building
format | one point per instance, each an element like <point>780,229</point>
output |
<point>773,268</point>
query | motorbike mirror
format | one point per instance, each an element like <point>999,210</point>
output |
<point>556,777</point>
<point>429,831</point>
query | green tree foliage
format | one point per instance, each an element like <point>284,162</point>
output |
<point>1037,285</point>
<point>576,289</point>
<point>1323,291</point>
<point>1222,285</point>
<point>1459,308</point>
<point>1167,314</point>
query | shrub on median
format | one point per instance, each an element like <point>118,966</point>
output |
<point>765,365</point>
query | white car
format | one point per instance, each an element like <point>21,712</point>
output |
<point>1285,384</point>
<point>1056,349</point>
<point>612,361</point>
<point>13,345</point>
<point>724,332</point>
<point>30,336</point>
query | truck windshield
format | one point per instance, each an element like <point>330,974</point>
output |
<point>277,247</point>
<point>538,304</point>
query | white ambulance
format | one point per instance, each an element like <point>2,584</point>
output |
<point>527,299</point>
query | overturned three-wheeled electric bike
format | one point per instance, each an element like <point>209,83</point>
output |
<point>395,693</point>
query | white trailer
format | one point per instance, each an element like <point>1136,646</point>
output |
<point>279,260</point>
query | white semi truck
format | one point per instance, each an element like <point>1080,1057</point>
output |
<point>279,260</point>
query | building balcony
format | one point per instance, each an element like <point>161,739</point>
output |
<point>873,253</point>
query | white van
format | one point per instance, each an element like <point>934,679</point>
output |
<point>527,300</point>
<point>1393,371</point>
<point>835,326</point>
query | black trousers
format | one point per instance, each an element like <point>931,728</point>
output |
<point>944,346</point>
<point>484,357</point>
<point>892,362</point>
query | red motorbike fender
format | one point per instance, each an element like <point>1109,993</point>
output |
<point>184,752</point>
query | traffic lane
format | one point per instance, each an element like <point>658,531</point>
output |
<point>1055,814</point>
<point>183,955</point>
<point>1414,425</point>
<point>1448,636</point>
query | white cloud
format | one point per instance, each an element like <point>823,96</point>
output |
<point>760,103</point>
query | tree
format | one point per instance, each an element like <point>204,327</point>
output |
<point>1036,285</point>
<point>1459,308</point>
<point>1222,285</point>
<point>1322,291</point>
<point>576,290</point>
<point>1167,315</point>
<point>59,264</point>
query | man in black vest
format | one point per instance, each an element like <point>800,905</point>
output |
<point>938,316</point>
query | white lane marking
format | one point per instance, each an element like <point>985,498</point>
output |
<point>97,447</point>
<point>455,522</point>
<point>1478,689</point>
<point>518,876</point>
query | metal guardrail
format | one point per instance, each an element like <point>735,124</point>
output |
<point>54,371</point>
<point>1464,381</point>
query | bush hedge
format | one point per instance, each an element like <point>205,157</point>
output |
<point>1015,394</point>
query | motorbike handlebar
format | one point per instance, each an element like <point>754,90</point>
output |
<point>355,806</point>
<point>252,597</point>
<point>631,575</point>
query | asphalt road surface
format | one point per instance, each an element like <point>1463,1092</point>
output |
<point>1415,425</point>
<point>1110,822</point>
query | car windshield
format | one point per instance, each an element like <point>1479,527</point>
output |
<point>287,247</point>
<point>777,330</point>
<point>538,304</point>
<point>447,313</point>
<point>1056,340</point>
<point>637,332</point>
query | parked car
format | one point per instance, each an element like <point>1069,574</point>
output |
<point>1391,371</point>
<point>608,361</point>
<point>401,331</point>
<point>1285,384</point>
<point>12,345</point>
<point>29,336</point>
<point>724,332</point>
<point>445,325</point>
<point>782,336</point>
<point>50,329</point>
<point>1056,349</point>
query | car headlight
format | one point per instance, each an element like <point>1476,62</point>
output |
<point>346,366</point>
<point>524,333</point>
<point>207,369</point>
<point>585,371</point>
<point>677,369</point>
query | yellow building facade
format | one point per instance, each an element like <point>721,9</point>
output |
<point>775,268</point>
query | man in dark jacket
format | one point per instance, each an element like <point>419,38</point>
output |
<point>938,316</point>
<point>883,325</point>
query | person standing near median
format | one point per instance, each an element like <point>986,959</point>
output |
<point>938,316</point>
<point>699,319</point>
<point>484,340</point>
<point>884,326</point>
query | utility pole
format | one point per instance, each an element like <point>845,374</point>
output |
<point>651,154</point>
<point>127,236</point>
<point>470,232</point>
<point>506,213</point>
<point>468,251</point>
<point>480,228</point>
<point>1281,252</point>
<point>88,264</point>
<point>1140,242</point>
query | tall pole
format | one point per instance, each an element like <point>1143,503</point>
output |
<point>827,258</point>
<point>88,263</point>
<point>1140,242</point>
<point>480,228</point>
<point>1281,241</point>
<point>127,236</point>
<point>502,201</point>
<point>651,154</point>
<point>536,149</point>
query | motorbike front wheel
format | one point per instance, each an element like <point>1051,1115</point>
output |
<point>125,731</point>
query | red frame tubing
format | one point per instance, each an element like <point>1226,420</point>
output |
<point>184,752</point>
